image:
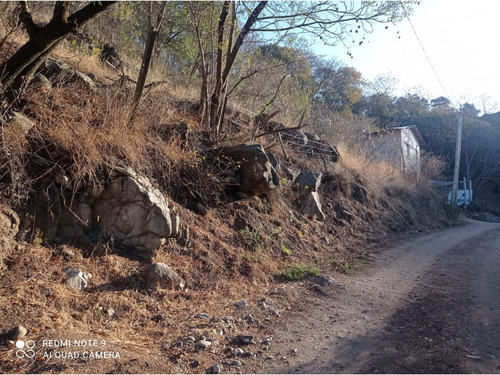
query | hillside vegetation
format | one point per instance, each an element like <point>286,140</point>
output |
<point>245,255</point>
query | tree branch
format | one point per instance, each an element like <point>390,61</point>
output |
<point>60,14</point>
<point>88,12</point>
<point>25,17</point>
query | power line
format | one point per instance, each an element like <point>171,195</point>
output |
<point>425,52</point>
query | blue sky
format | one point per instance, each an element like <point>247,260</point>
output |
<point>462,40</point>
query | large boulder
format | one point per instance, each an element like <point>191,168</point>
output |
<point>132,211</point>
<point>307,185</point>
<point>62,74</point>
<point>41,83</point>
<point>257,174</point>
<point>307,182</point>
<point>310,206</point>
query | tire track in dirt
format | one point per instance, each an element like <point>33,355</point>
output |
<point>429,305</point>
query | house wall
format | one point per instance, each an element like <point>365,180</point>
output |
<point>399,147</point>
<point>386,146</point>
<point>411,151</point>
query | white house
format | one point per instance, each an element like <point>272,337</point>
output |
<point>400,146</point>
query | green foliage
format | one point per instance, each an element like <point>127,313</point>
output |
<point>251,237</point>
<point>285,250</point>
<point>338,87</point>
<point>298,272</point>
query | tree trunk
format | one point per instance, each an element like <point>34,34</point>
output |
<point>153,32</point>
<point>21,63</point>
<point>17,70</point>
<point>141,80</point>
<point>218,98</point>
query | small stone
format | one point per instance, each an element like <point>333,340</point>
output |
<point>267,340</point>
<point>203,344</point>
<point>177,344</point>
<point>238,352</point>
<point>270,358</point>
<point>274,312</point>
<point>245,339</point>
<point>322,280</point>
<point>20,332</point>
<point>264,305</point>
<point>203,316</point>
<point>77,279</point>
<point>241,304</point>
<point>216,369</point>
<point>246,355</point>
<point>201,209</point>
<point>190,338</point>
<point>249,319</point>
<point>236,363</point>
<point>110,313</point>
<point>194,364</point>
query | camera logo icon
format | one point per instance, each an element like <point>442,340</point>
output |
<point>25,349</point>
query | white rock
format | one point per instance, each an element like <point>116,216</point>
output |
<point>20,332</point>
<point>203,344</point>
<point>77,279</point>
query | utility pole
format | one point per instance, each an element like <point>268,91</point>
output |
<point>458,149</point>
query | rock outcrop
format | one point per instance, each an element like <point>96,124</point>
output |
<point>123,206</point>
<point>257,174</point>
<point>310,206</point>
<point>9,227</point>
<point>132,211</point>
<point>306,185</point>
<point>61,73</point>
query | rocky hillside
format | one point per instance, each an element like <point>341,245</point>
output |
<point>177,253</point>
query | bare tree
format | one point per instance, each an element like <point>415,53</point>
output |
<point>331,22</point>
<point>153,31</point>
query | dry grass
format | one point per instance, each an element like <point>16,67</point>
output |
<point>80,134</point>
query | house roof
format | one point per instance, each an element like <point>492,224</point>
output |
<point>412,128</point>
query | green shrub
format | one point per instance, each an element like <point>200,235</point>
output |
<point>251,237</point>
<point>286,251</point>
<point>298,272</point>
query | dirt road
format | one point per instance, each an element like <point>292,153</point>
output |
<point>429,305</point>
